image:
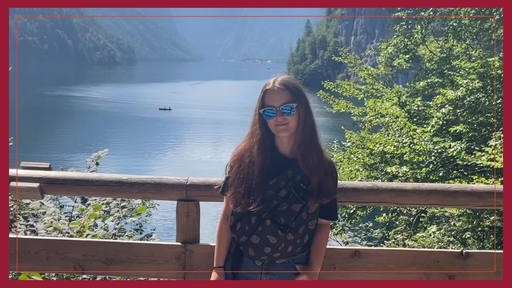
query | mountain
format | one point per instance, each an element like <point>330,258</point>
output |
<point>65,41</point>
<point>66,37</point>
<point>362,28</point>
<point>240,37</point>
<point>153,39</point>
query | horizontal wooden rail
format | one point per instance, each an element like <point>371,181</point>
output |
<point>173,188</point>
<point>193,261</point>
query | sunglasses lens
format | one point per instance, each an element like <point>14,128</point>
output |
<point>288,110</point>
<point>268,113</point>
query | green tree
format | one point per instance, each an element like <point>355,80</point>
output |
<point>428,113</point>
<point>308,29</point>
<point>312,61</point>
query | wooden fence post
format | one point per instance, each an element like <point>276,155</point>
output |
<point>188,219</point>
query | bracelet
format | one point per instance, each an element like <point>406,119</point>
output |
<point>218,267</point>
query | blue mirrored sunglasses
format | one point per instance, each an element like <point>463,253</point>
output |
<point>287,110</point>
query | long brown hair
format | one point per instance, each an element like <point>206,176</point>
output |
<point>246,170</point>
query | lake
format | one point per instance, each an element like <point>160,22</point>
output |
<point>63,120</point>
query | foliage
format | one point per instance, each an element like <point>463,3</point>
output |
<point>80,217</point>
<point>428,116</point>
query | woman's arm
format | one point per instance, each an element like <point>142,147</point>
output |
<point>222,242</point>
<point>328,213</point>
<point>317,253</point>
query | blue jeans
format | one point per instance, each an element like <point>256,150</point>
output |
<point>244,269</point>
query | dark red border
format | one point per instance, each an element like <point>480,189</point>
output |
<point>253,4</point>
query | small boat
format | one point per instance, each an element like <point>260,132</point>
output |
<point>165,109</point>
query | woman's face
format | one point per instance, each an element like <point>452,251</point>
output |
<point>283,119</point>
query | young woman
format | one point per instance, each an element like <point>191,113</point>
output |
<point>280,193</point>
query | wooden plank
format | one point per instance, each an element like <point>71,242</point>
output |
<point>348,275</point>
<point>384,263</point>
<point>97,257</point>
<point>168,260</point>
<point>199,259</point>
<point>388,194</point>
<point>188,218</point>
<point>36,166</point>
<point>420,195</point>
<point>204,189</point>
<point>170,188</point>
<point>104,185</point>
<point>26,190</point>
<point>399,259</point>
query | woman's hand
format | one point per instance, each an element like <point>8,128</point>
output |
<point>218,274</point>
<point>317,252</point>
<point>306,276</point>
<point>306,273</point>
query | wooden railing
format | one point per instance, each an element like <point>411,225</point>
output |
<point>190,259</point>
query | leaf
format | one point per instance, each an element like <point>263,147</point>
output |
<point>36,276</point>
<point>97,207</point>
<point>75,223</point>
<point>142,209</point>
<point>93,216</point>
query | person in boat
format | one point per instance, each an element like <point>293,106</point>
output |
<point>280,193</point>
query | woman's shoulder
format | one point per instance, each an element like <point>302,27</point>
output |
<point>326,170</point>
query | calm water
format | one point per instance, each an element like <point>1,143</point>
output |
<point>64,121</point>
